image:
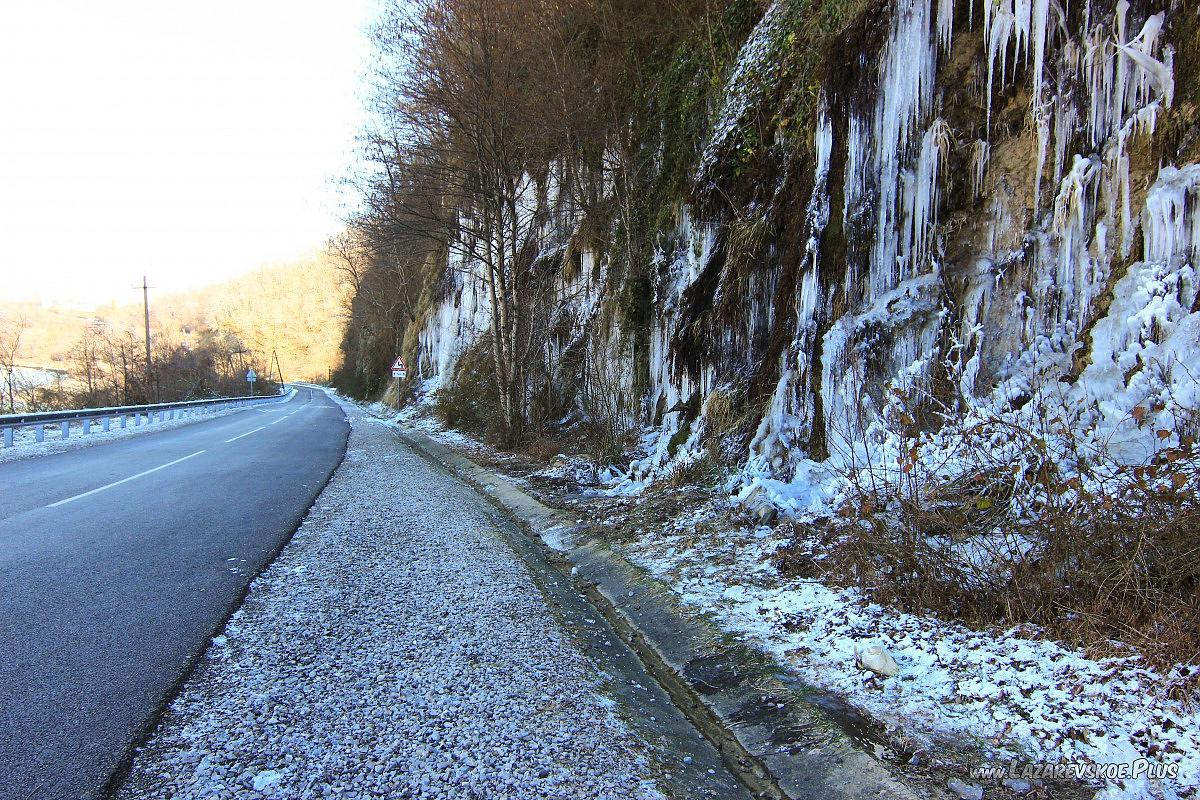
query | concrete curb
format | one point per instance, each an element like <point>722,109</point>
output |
<point>783,739</point>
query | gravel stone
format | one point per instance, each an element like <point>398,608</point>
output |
<point>397,648</point>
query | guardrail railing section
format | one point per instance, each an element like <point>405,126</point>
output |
<point>85,419</point>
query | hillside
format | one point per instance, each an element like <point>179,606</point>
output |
<point>916,275</point>
<point>203,340</point>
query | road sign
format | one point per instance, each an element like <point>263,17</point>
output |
<point>399,369</point>
<point>251,376</point>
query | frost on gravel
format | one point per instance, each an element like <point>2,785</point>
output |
<point>397,648</point>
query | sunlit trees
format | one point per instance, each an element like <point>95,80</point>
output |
<point>465,162</point>
<point>204,341</point>
<point>12,329</point>
<point>502,126</point>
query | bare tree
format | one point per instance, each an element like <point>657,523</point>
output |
<point>466,161</point>
<point>502,125</point>
<point>12,329</point>
<point>86,358</point>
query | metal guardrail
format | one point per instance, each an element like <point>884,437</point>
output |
<point>122,415</point>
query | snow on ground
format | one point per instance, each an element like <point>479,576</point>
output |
<point>396,648</point>
<point>1020,698</point>
<point>420,417</point>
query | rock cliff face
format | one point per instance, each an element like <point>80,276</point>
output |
<point>900,211</point>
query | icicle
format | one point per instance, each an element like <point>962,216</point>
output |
<point>1140,50</point>
<point>1071,215</point>
<point>1119,88</point>
<point>1098,80</point>
<point>925,195</point>
<point>996,26</point>
<point>1040,11</point>
<point>1123,77</point>
<point>1065,121</point>
<point>776,432</point>
<point>1121,168</point>
<point>907,73</point>
<point>1146,119</point>
<point>945,23</point>
<point>1022,14</point>
<point>823,140</point>
<point>1154,71</point>
<point>1043,140</point>
<point>980,153</point>
<point>1171,222</point>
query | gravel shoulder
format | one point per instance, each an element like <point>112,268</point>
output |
<point>398,647</point>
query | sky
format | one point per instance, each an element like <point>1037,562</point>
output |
<point>189,142</point>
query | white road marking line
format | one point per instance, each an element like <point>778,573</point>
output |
<point>125,480</point>
<point>247,433</point>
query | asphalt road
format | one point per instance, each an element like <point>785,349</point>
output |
<point>117,564</point>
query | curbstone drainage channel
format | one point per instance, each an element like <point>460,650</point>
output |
<point>775,741</point>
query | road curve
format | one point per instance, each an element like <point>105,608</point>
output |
<point>119,561</point>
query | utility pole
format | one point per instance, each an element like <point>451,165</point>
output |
<point>278,369</point>
<point>149,364</point>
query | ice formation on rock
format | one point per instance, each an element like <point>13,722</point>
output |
<point>1013,288</point>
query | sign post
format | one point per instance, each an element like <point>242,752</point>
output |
<point>251,377</point>
<point>399,372</point>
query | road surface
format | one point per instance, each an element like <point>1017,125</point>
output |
<point>409,642</point>
<point>117,564</point>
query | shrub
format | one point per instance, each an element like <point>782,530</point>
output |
<point>1007,518</point>
<point>608,427</point>
<point>468,401</point>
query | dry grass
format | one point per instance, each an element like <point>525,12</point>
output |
<point>1053,529</point>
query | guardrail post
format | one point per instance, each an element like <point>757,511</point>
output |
<point>8,437</point>
<point>106,424</point>
<point>87,426</point>
<point>40,434</point>
<point>66,428</point>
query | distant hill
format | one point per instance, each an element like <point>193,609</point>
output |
<point>294,309</point>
